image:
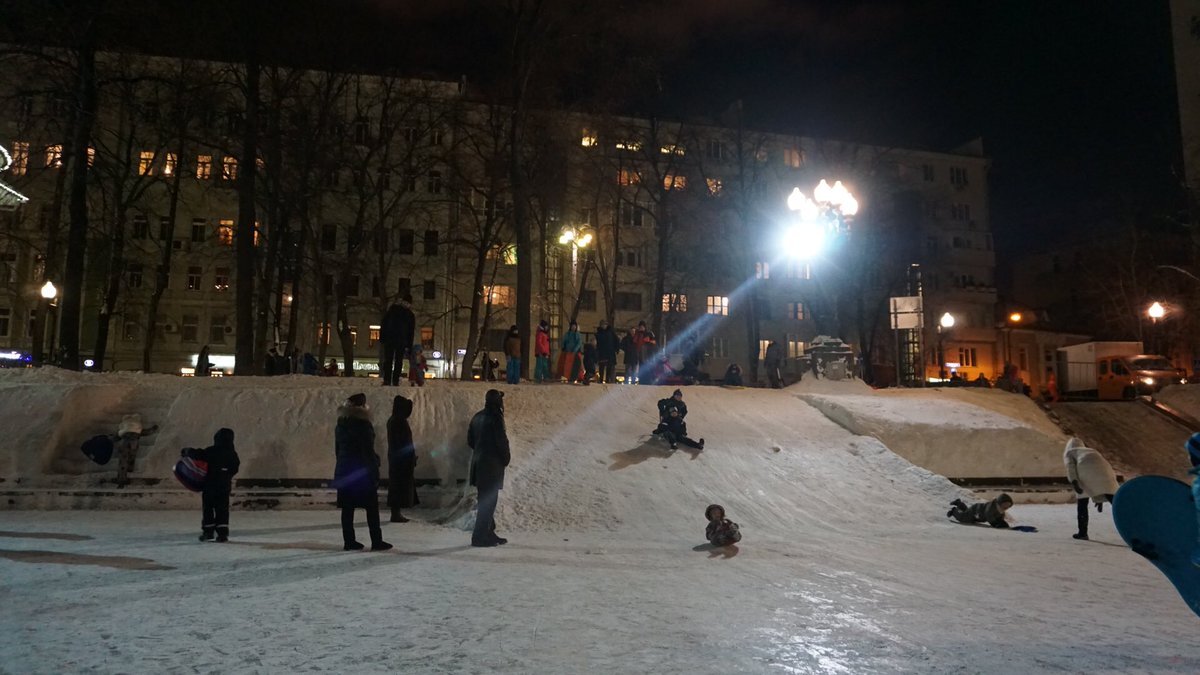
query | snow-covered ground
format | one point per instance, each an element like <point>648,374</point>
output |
<point>848,562</point>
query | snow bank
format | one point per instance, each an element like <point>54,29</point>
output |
<point>959,432</point>
<point>1183,397</point>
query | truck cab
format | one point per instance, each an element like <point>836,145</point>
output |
<point>1124,377</point>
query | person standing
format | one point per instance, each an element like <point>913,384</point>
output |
<point>356,475</point>
<point>490,455</point>
<point>417,366</point>
<point>630,348</point>
<point>402,460</point>
<point>572,352</point>
<point>541,352</point>
<point>223,464</point>
<point>606,352</point>
<point>589,362</point>
<point>773,362</point>
<point>395,337</point>
<point>203,366</point>
<point>1093,479</point>
<point>646,346</point>
<point>271,366</point>
<point>512,355</point>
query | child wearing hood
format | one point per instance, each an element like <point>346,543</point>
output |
<point>416,366</point>
<point>223,464</point>
<point>541,353</point>
<point>402,459</point>
<point>1092,478</point>
<point>991,512</point>
<point>720,531</point>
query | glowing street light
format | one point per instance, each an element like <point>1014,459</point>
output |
<point>49,292</point>
<point>1156,312</point>
<point>947,321</point>
<point>825,213</point>
<point>1015,317</point>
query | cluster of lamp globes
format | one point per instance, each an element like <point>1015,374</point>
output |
<point>817,216</point>
<point>575,238</point>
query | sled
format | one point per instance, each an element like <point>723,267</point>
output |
<point>99,449</point>
<point>191,473</point>
<point>1156,516</point>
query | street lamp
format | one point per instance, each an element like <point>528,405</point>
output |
<point>49,293</point>
<point>576,239</point>
<point>827,212</point>
<point>1156,311</point>
<point>944,326</point>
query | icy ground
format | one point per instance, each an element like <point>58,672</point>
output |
<point>139,594</point>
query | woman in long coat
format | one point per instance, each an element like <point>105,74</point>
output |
<point>402,459</point>
<point>356,475</point>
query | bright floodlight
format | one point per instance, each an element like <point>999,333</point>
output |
<point>795,201</point>
<point>839,194</point>
<point>849,205</point>
<point>566,237</point>
<point>805,240</point>
<point>823,192</point>
<point>1015,317</point>
<point>49,292</point>
<point>584,240</point>
<point>1156,311</point>
<point>947,320</point>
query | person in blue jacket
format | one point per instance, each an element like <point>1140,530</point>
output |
<point>572,352</point>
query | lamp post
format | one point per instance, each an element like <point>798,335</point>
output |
<point>576,238</point>
<point>1156,312</point>
<point>944,326</point>
<point>825,216</point>
<point>49,293</point>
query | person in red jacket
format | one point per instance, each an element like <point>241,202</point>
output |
<point>541,352</point>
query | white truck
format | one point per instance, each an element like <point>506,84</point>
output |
<point>1112,371</point>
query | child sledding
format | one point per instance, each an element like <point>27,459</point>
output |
<point>720,530</point>
<point>991,512</point>
<point>671,426</point>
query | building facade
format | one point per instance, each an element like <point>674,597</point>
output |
<point>371,189</point>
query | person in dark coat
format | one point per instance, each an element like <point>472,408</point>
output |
<point>402,459</point>
<point>311,366</point>
<point>589,362</point>
<point>489,456</point>
<point>720,530</point>
<point>283,366</point>
<point>271,366</point>
<point>666,405</point>
<point>773,362</point>
<point>733,376</point>
<point>223,464</point>
<point>675,431</point>
<point>991,512</point>
<point>606,352</point>
<point>395,336</point>
<point>356,475</point>
<point>203,366</point>
<point>629,347</point>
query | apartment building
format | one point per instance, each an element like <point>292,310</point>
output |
<point>373,188</point>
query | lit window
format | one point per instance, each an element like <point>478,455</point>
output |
<point>193,278</point>
<point>20,158</point>
<point>628,177</point>
<point>629,145</point>
<point>798,270</point>
<point>169,164</point>
<point>718,304</point>
<point>714,186</point>
<point>54,157</point>
<point>372,336</point>
<point>228,168</point>
<point>673,181</point>
<point>427,337</point>
<point>762,270</point>
<point>204,167</point>
<point>506,253</point>
<point>673,149</point>
<point>795,348</point>
<point>225,232</point>
<point>91,156</point>
<point>674,302</point>
<point>499,296</point>
<point>588,138</point>
<point>221,279</point>
<point>323,332</point>
<point>796,311</point>
<point>762,349</point>
<point>145,162</point>
<point>793,157</point>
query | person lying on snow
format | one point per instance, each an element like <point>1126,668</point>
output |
<point>991,512</point>
<point>675,431</point>
<point>720,531</point>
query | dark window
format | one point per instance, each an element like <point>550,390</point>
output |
<point>587,301</point>
<point>352,287</point>
<point>927,171</point>
<point>141,227</point>
<point>435,137</point>
<point>429,290</point>
<point>361,127</point>
<point>435,182</point>
<point>328,237</point>
<point>164,228</point>
<point>630,302</point>
<point>406,241</point>
<point>376,288</point>
<point>199,229</point>
<point>133,272</point>
<point>404,288</point>
<point>194,274</point>
<point>356,236</point>
<point>431,242</point>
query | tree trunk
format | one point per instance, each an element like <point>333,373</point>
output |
<point>524,241</point>
<point>247,362</point>
<point>343,326</point>
<point>163,271</point>
<point>583,279</point>
<point>72,303</point>
<point>474,330</point>
<point>297,267</point>
<point>49,263</point>
<point>660,273</point>
<point>112,290</point>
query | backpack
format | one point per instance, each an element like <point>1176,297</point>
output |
<point>191,472</point>
<point>99,449</point>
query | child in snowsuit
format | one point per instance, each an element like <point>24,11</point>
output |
<point>416,367</point>
<point>720,531</point>
<point>1092,478</point>
<point>991,512</point>
<point>675,431</point>
<point>223,464</point>
<point>589,362</point>
<point>541,353</point>
<point>128,439</point>
<point>1193,448</point>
